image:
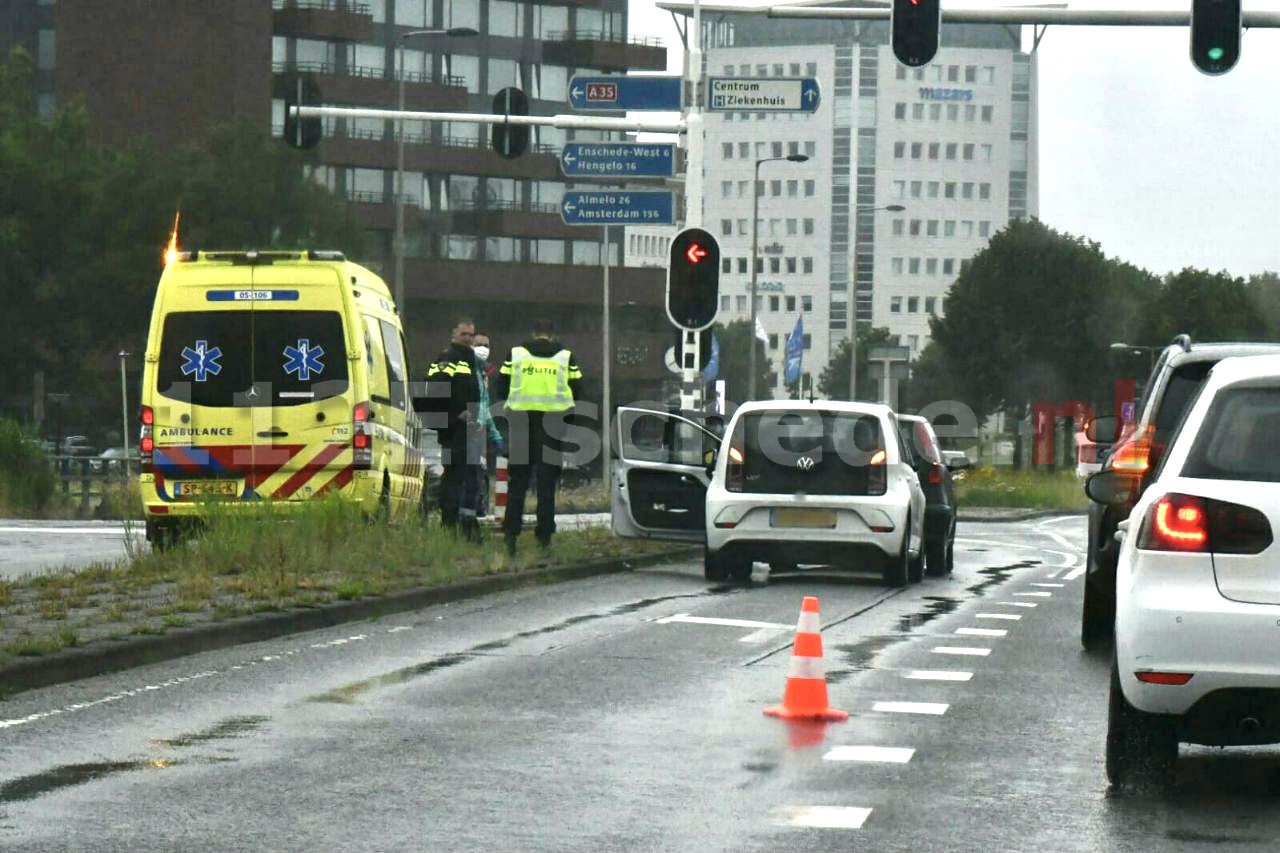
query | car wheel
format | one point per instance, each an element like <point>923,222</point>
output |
<point>782,566</point>
<point>740,570</point>
<point>951,550</point>
<point>1097,617</point>
<point>897,567</point>
<point>714,567</point>
<point>1141,747</point>
<point>163,537</point>
<point>915,565</point>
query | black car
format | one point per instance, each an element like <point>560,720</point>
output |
<point>939,493</point>
<point>1174,382</point>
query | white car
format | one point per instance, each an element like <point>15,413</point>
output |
<point>1198,582</point>
<point>793,482</point>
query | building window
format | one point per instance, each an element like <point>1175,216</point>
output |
<point>951,150</point>
<point>949,189</point>
<point>986,153</point>
<point>916,187</point>
<point>811,149</point>
<point>917,149</point>
<point>988,113</point>
<point>900,110</point>
<point>792,227</point>
<point>806,265</point>
<point>895,304</point>
<point>809,188</point>
<point>806,303</point>
<point>931,305</point>
<point>917,112</point>
<point>931,228</point>
<point>773,342</point>
<point>971,74</point>
<point>913,266</point>
<point>899,227</point>
<point>966,189</point>
<point>970,113</point>
<point>808,226</point>
<point>46,50</point>
<point>968,151</point>
<point>953,112</point>
<point>896,266</point>
<point>726,227</point>
<point>901,72</point>
<point>776,149</point>
<point>775,189</point>
<point>933,189</point>
<point>726,265</point>
<point>773,378</point>
<point>726,150</point>
<point>740,303</point>
<point>913,304</point>
<point>807,340</point>
<point>988,74</point>
<point>791,265</point>
<point>899,150</point>
<point>948,266</point>
<point>953,73</point>
<point>775,304</point>
<point>742,266</point>
<point>899,189</point>
<point>811,69</point>
<point>915,228</point>
<point>966,230</point>
<point>724,303</point>
<point>775,265</point>
<point>744,150</point>
<point>931,266</point>
<point>949,228</point>
<point>984,191</point>
<point>791,304</point>
<point>793,189</point>
<point>934,148</point>
<point>984,229</point>
<point>935,112</point>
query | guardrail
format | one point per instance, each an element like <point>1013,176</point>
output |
<point>601,35</point>
<point>323,6</point>
<point>77,480</point>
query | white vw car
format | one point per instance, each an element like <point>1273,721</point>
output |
<point>785,482</point>
<point>1198,582</point>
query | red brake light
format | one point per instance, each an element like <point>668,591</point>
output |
<point>360,413</point>
<point>935,474</point>
<point>147,415</point>
<point>361,441</point>
<point>1176,523</point>
<point>148,444</point>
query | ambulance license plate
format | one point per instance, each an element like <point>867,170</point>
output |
<point>206,488</point>
<point>784,517</point>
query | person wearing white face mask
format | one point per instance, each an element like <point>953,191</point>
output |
<point>480,345</point>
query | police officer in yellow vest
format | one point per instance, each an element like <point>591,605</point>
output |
<point>539,381</point>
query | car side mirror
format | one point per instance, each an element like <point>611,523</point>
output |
<point>709,460</point>
<point>1101,429</point>
<point>955,460</point>
<point>1110,487</point>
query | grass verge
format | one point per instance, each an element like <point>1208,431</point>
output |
<point>992,486</point>
<point>270,558</point>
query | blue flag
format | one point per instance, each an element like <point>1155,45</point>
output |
<point>711,372</point>
<point>794,353</point>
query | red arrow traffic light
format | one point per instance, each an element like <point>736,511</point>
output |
<point>693,279</point>
<point>695,253</point>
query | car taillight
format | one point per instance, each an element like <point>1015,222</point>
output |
<point>734,473</point>
<point>1193,524</point>
<point>146,441</point>
<point>1133,454</point>
<point>877,474</point>
<point>361,437</point>
<point>935,474</point>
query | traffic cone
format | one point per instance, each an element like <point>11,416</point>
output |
<point>806,694</point>
<point>500,490</point>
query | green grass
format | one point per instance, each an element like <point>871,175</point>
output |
<point>992,486</point>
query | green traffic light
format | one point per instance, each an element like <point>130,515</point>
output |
<point>1216,53</point>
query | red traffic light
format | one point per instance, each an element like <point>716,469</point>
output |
<point>696,253</point>
<point>693,279</point>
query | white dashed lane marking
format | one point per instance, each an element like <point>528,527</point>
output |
<point>825,817</point>
<point>1016,603</point>
<point>981,632</point>
<point>1009,617</point>
<point>881,754</point>
<point>1074,573</point>
<point>938,675</point>
<point>1050,585</point>
<point>961,650</point>
<point>1035,594</point>
<point>936,709</point>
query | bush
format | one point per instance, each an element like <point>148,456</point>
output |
<point>27,479</point>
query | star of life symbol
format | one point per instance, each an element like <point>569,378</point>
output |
<point>304,359</point>
<point>202,361</point>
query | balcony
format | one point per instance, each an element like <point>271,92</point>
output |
<point>332,20</point>
<point>605,51</point>
<point>446,155</point>
<point>370,87</point>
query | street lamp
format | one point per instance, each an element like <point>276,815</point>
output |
<point>853,311</point>
<point>1136,349</point>
<point>755,238</point>
<point>398,248</point>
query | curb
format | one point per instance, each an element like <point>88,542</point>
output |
<point>1007,514</point>
<point>107,656</point>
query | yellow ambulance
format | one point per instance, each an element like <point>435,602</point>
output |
<point>274,376</point>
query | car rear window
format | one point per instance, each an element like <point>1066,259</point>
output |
<point>820,453</point>
<point>1183,385</point>
<point>1240,437</point>
<point>252,358</point>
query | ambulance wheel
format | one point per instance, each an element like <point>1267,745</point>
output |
<point>161,536</point>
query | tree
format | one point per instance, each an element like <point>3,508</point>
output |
<point>1264,289</point>
<point>1032,316</point>
<point>1208,306</point>
<point>735,338</point>
<point>833,383</point>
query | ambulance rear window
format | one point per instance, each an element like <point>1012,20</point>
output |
<point>252,358</point>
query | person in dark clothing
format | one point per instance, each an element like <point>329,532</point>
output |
<point>453,382</point>
<point>539,382</point>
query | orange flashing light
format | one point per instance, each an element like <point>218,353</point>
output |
<point>171,253</point>
<point>735,455</point>
<point>878,458</point>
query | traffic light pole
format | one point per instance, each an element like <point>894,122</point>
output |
<point>690,386</point>
<point>606,410</point>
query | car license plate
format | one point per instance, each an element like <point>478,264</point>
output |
<point>206,488</point>
<point>804,518</point>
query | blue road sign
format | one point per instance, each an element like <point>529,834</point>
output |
<point>616,92</point>
<point>763,94</point>
<point>618,207</point>
<point>618,159</point>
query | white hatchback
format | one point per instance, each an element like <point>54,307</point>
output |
<point>1198,582</point>
<point>793,482</point>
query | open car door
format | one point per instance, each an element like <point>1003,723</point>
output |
<point>659,481</point>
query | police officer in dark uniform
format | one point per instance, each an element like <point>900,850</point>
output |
<point>453,383</point>
<point>539,382</point>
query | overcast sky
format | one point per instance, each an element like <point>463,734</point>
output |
<point>1163,166</point>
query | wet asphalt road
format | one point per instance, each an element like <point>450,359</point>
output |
<point>602,715</point>
<point>30,547</point>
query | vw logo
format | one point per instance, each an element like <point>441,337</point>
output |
<point>805,463</point>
